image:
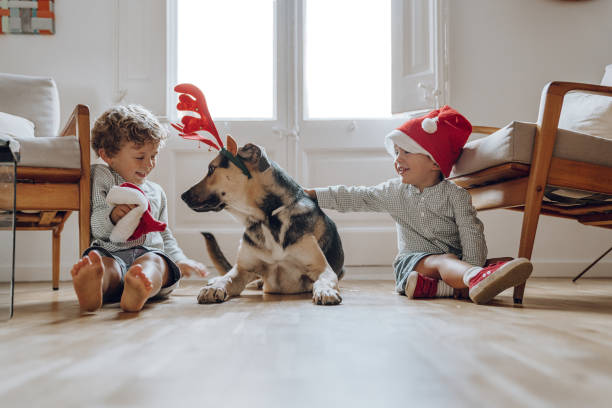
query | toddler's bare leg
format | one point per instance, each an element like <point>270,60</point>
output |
<point>143,280</point>
<point>92,277</point>
<point>447,267</point>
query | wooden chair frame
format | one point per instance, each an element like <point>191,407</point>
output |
<point>56,192</point>
<point>521,187</point>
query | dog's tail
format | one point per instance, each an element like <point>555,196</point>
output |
<point>221,263</point>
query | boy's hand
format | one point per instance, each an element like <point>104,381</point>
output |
<point>119,212</point>
<point>189,266</point>
<point>311,193</point>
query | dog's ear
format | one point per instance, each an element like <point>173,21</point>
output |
<point>255,156</point>
<point>232,147</point>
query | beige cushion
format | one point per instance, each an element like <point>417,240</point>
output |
<point>62,152</point>
<point>514,143</point>
<point>33,98</point>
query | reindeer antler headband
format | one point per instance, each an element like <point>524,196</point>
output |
<point>192,99</point>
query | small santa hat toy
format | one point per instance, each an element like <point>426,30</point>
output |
<point>441,135</point>
<point>139,220</point>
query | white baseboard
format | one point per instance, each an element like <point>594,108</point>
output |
<point>543,269</point>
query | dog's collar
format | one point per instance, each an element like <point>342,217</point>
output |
<point>236,160</point>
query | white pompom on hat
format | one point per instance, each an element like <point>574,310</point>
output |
<point>441,135</point>
<point>430,125</point>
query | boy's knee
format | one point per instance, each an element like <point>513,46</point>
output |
<point>153,258</point>
<point>449,257</point>
<point>440,258</point>
<point>437,261</point>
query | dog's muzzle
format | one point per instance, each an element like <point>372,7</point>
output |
<point>212,203</point>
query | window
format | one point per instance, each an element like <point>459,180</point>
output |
<point>347,59</point>
<point>226,48</point>
<point>324,59</point>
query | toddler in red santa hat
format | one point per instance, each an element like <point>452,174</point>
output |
<point>133,255</point>
<point>440,238</point>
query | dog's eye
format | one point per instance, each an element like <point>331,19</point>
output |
<point>211,168</point>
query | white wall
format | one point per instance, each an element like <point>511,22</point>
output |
<point>502,54</point>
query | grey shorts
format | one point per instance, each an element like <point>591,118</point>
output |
<point>126,258</point>
<point>403,265</point>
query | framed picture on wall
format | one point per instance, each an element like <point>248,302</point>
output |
<point>27,17</point>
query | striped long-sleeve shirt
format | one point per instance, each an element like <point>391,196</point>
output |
<point>440,219</point>
<point>102,179</point>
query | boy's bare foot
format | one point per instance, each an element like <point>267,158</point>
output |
<point>136,289</point>
<point>87,281</point>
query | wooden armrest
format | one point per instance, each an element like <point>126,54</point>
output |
<point>561,88</point>
<point>78,125</point>
<point>484,130</point>
<point>70,129</point>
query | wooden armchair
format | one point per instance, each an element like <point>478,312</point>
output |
<point>521,187</point>
<point>56,192</point>
<point>53,178</point>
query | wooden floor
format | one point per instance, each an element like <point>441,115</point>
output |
<point>377,349</point>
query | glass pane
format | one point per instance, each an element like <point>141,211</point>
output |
<point>347,54</point>
<point>7,232</point>
<point>226,48</point>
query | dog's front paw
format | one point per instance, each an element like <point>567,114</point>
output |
<point>326,296</point>
<point>211,294</point>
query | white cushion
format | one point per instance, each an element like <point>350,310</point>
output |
<point>31,106</point>
<point>15,126</point>
<point>587,113</point>
<point>33,98</point>
<point>514,143</point>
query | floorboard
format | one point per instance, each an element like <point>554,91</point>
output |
<point>375,349</point>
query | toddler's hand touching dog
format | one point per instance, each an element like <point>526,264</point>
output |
<point>189,267</point>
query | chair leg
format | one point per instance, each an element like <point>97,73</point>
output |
<point>525,250</point>
<point>84,231</point>
<point>56,258</point>
<point>531,216</point>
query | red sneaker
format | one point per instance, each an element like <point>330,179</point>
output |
<point>494,279</point>
<point>423,287</point>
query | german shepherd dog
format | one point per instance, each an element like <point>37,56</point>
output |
<point>288,242</point>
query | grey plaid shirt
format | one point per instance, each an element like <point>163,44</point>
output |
<point>439,220</point>
<point>102,179</point>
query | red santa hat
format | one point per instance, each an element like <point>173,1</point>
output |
<point>441,134</point>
